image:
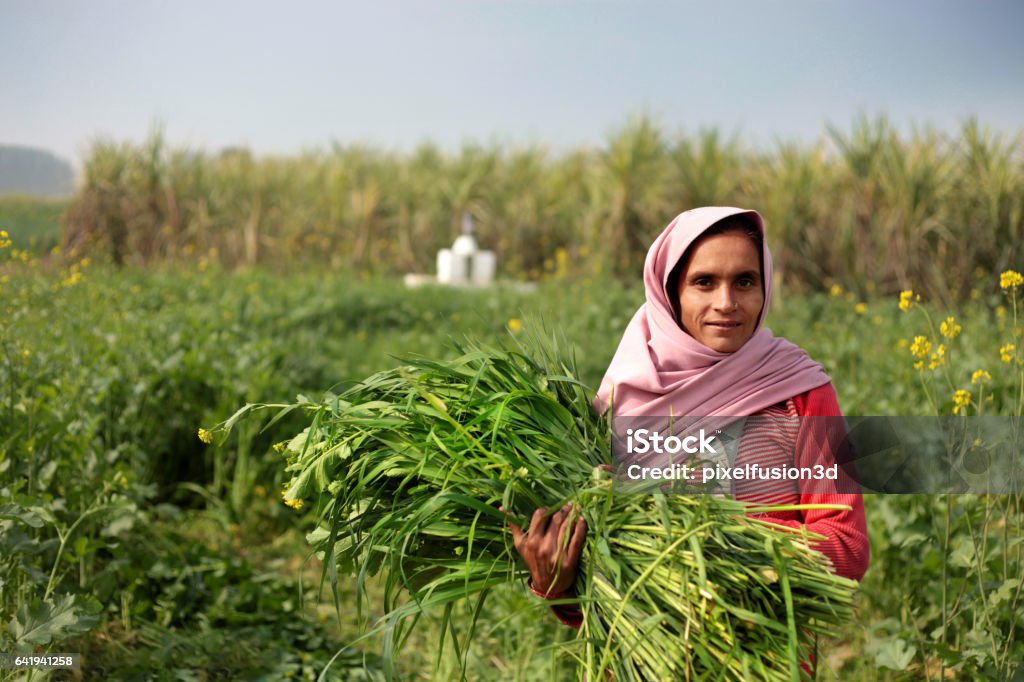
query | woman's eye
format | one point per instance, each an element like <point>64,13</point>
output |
<point>746,282</point>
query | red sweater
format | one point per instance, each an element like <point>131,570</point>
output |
<point>817,442</point>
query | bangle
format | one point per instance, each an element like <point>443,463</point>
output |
<point>544,595</point>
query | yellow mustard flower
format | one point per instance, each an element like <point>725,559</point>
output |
<point>861,308</point>
<point>515,325</point>
<point>1007,352</point>
<point>919,365</point>
<point>5,240</point>
<point>293,503</point>
<point>905,298</point>
<point>938,358</point>
<point>949,328</point>
<point>981,377</point>
<point>921,347</point>
<point>1011,279</point>
<point>205,436</point>
<point>280,447</point>
<point>836,290</point>
<point>961,401</point>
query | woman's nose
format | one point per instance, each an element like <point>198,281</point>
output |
<point>724,300</point>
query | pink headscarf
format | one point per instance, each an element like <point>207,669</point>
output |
<point>659,369</point>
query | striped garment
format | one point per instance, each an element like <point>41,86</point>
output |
<point>817,441</point>
<point>775,437</point>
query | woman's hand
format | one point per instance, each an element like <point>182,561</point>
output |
<point>552,563</point>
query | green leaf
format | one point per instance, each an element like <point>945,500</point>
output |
<point>46,472</point>
<point>14,541</point>
<point>122,522</point>
<point>977,644</point>
<point>896,654</point>
<point>277,417</point>
<point>44,513</point>
<point>318,474</point>
<point>1005,592</point>
<point>241,412</point>
<point>963,553</point>
<point>14,512</point>
<point>42,622</point>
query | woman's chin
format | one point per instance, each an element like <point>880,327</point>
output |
<point>724,343</point>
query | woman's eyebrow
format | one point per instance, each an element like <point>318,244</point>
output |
<point>744,273</point>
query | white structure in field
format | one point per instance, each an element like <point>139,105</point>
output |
<point>464,264</point>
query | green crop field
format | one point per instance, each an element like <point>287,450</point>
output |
<point>34,223</point>
<point>129,540</point>
<point>177,286</point>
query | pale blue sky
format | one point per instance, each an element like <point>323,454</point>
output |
<point>561,72</point>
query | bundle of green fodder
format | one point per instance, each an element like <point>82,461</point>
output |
<point>411,469</point>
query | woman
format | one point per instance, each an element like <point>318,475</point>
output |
<point>698,347</point>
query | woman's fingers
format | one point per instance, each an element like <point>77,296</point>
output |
<point>551,547</point>
<point>579,536</point>
<point>553,541</point>
<point>538,524</point>
<point>517,536</point>
<point>560,527</point>
<point>557,522</point>
<point>517,532</point>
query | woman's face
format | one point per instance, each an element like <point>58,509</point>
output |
<point>720,292</point>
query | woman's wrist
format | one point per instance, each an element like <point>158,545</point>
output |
<point>549,594</point>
